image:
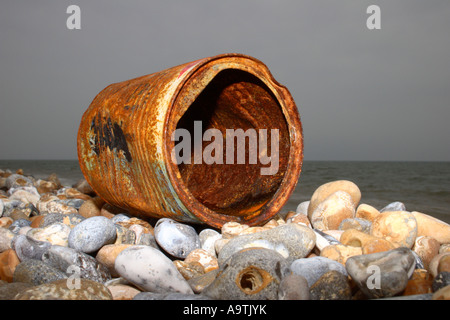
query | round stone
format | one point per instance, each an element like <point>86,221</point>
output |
<point>397,227</point>
<point>92,233</point>
<point>36,272</point>
<point>29,248</point>
<point>329,214</point>
<point>332,285</point>
<point>313,268</point>
<point>176,238</point>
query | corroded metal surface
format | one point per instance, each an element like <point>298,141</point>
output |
<point>125,142</point>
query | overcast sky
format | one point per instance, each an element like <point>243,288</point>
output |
<point>362,94</point>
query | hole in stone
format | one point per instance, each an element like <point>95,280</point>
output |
<point>252,279</point>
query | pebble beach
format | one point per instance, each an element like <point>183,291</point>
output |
<point>65,243</point>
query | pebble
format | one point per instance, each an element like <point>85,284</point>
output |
<point>444,264</point>
<point>208,239</point>
<point>432,227</point>
<point>332,285</point>
<point>124,235</point>
<point>382,274</point>
<point>8,263</point>
<point>200,282</point>
<point>232,229</point>
<point>394,206</point>
<point>367,212</point>
<point>6,237</point>
<point>250,274</point>
<point>16,225</point>
<point>327,189</point>
<point>442,294</point>
<point>107,256</point>
<point>329,213</point>
<point>426,248</point>
<point>291,240</point>
<point>2,207</point>
<point>419,283</point>
<point>56,234</point>
<point>177,239</point>
<point>397,227</point>
<point>340,252</point>
<point>36,272</point>
<point>76,263</point>
<point>91,234</point>
<point>17,180</point>
<point>303,207</point>
<point>150,270</point>
<point>84,289</point>
<point>355,223</point>
<point>91,208</point>
<point>71,219</point>
<point>123,292</point>
<point>293,287</point>
<point>10,290</point>
<point>29,248</point>
<point>440,281</point>
<point>313,268</point>
<point>84,187</point>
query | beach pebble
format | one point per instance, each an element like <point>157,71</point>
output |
<point>232,229</point>
<point>70,220</point>
<point>83,186</point>
<point>2,207</point>
<point>332,285</point>
<point>124,235</point>
<point>177,239</point>
<point>55,205</point>
<point>313,268</point>
<point>123,292</point>
<point>76,263</point>
<point>432,227</point>
<point>91,208</point>
<point>419,283</point>
<point>327,189</point>
<point>8,263</point>
<point>44,186</point>
<point>92,233</point>
<point>433,266</point>
<point>25,195</point>
<point>368,243</point>
<point>293,287</point>
<point>205,261</point>
<point>17,180</point>
<point>253,273</point>
<point>56,234</point>
<point>6,237</point>
<point>18,224</point>
<point>150,270</point>
<point>442,294</point>
<point>29,248</point>
<point>441,280</point>
<point>6,222</point>
<point>121,217</point>
<point>340,252</point>
<point>355,223</point>
<point>303,208</point>
<point>398,227</point>
<point>36,272</point>
<point>382,274</point>
<point>83,289</point>
<point>329,213</point>
<point>9,290</point>
<point>208,238</point>
<point>444,264</point>
<point>394,206</point>
<point>291,240</point>
<point>426,247</point>
<point>367,212</point>
<point>107,256</point>
<point>300,218</point>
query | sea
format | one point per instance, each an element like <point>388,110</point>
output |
<point>421,186</point>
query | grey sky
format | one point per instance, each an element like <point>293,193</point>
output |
<point>362,94</point>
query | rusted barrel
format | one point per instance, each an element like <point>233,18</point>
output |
<point>144,145</point>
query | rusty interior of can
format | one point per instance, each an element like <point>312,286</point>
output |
<point>232,99</point>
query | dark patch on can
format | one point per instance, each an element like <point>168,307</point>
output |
<point>109,135</point>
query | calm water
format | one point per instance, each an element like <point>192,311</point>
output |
<point>421,186</point>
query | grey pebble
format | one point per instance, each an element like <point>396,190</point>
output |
<point>73,262</point>
<point>394,206</point>
<point>293,287</point>
<point>29,248</point>
<point>91,234</point>
<point>51,218</point>
<point>315,267</point>
<point>36,272</point>
<point>176,238</point>
<point>18,224</point>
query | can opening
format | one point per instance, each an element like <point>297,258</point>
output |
<point>233,100</point>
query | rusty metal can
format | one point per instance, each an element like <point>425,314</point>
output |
<point>126,143</point>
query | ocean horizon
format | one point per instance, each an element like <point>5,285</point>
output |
<point>421,186</point>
